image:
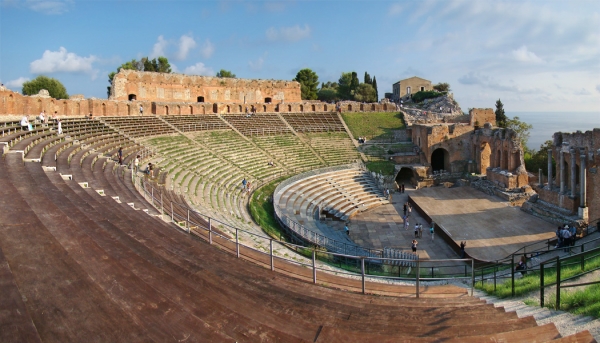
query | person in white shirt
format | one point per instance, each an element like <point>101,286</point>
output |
<point>42,119</point>
<point>24,123</point>
<point>59,129</point>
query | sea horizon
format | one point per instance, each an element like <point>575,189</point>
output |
<point>546,123</point>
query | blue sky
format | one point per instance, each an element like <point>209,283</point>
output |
<point>534,55</point>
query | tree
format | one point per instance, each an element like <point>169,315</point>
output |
<point>442,87</point>
<point>309,81</point>
<point>500,116</point>
<point>355,83</point>
<point>225,73</point>
<point>327,94</point>
<point>521,128</point>
<point>365,93</point>
<point>536,160</point>
<point>375,88</point>
<point>367,79</point>
<point>56,89</point>
<point>344,90</point>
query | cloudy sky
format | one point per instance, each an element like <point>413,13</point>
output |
<point>534,55</point>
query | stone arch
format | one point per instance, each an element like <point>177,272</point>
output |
<point>103,109</point>
<point>301,108</point>
<point>191,109</point>
<point>228,109</point>
<point>362,107</point>
<point>324,107</point>
<point>385,107</point>
<point>177,109</point>
<point>132,97</point>
<point>129,109</point>
<point>485,153</point>
<point>289,108</point>
<point>167,110</point>
<point>240,108</point>
<point>406,175</point>
<point>215,108</point>
<point>314,108</point>
<point>65,108</point>
<point>264,108</point>
<point>372,107</point>
<point>440,160</point>
<point>349,107</point>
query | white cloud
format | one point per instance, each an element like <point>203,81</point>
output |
<point>199,69</point>
<point>17,83</point>
<point>186,43</point>
<point>63,61</point>
<point>582,91</point>
<point>207,49</point>
<point>258,64</point>
<point>275,6</point>
<point>485,81</point>
<point>288,34</point>
<point>159,47</point>
<point>48,7</point>
<point>395,9</point>
<point>598,88</point>
<point>524,55</point>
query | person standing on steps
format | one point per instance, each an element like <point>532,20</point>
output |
<point>141,110</point>
<point>347,230</point>
<point>120,153</point>
<point>463,244</point>
<point>413,245</point>
<point>136,163</point>
<point>431,230</point>
<point>59,128</point>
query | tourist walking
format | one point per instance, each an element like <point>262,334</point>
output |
<point>431,231</point>
<point>136,162</point>
<point>120,155</point>
<point>406,224</point>
<point>405,208</point>
<point>347,230</point>
<point>463,244</point>
<point>416,230</point>
<point>413,245</point>
<point>141,110</point>
<point>420,230</point>
<point>59,128</point>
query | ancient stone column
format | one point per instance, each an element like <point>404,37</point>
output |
<point>582,183</point>
<point>561,161</point>
<point>550,169</point>
<point>573,173</point>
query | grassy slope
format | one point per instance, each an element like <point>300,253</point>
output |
<point>373,125</point>
<point>261,209</point>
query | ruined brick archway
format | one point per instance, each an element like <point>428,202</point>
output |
<point>440,160</point>
<point>406,176</point>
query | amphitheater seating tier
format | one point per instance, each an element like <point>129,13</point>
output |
<point>142,126</point>
<point>257,124</point>
<point>191,123</point>
<point>314,122</point>
<point>77,264</point>
<point>333,147</point>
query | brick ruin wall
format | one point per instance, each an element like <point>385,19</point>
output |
<point>164,87</point>
<point>16,105</point>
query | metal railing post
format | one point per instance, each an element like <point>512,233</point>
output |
<point>237,243</point>
<point>542,284</point>
<point>314,265</point>
<point>271,252</point>
<point>209,230</point>
<point>557,282</point>
<point>473,276</point>
<point>362,272</point>
<point>512,275</point>
<point>418,276</point>
<point>172,214</point>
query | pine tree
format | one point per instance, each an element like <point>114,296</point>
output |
<point>501,118</point>
<point>375,87</point>
<point>367,79</point>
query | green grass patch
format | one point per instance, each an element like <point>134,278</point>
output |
<point>383,167</point>
<point>374,125</point>
<point>583,302</point>
<point>262,211</point>
<point>570,267</point>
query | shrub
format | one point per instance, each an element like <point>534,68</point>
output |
<point>422,95</point>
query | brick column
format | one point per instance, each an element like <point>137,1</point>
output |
<point>573,174</point>
<point>561,161</point>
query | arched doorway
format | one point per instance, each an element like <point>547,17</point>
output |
<point>240,109</point>
<point>178,110</point>
<point>406,176</point>
<point>385,107</point>
<point>129,109</point>
<point>440,160</point>
<point>314,108</point>
<point>167,110</point>
<point>301,108</point>
<point>264,108</point>
<point>191,109</point>
<point>324,107</point>
<point>289,108</point>
<point>362,107</point>
<point>228,109</point>
<point>215,108</point>
<point>65,108</point>
<point>349,107</point>
<point>373,107</point>
<point>132,97</point>
<point>103,109</point>
<point>485,153</point>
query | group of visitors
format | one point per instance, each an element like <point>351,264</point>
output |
<point>566,236</point>
<point>246,186</point>
<point>251,112</point>
<point>418,230</point>
<point>362,140</point>
<point>399,188</point>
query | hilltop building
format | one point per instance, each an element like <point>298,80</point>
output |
<point>409,86</point>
